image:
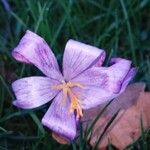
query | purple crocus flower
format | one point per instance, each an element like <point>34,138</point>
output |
<point>83,84</point>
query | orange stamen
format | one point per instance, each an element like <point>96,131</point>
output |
<point>75,105</point>
<point>66,88</point>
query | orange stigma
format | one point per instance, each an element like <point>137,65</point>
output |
<point>66,88</point>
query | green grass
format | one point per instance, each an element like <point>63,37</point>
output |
<point>121,27</point>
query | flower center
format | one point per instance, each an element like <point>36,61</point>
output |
<point>74,105</point>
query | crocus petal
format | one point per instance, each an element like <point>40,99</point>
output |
<point>34,50</point>
<point>91,77</point>
<point>78,57</point>
<point>32,92</point>
<point>59,119</point>
<point>113,81</point>
<point>117,73</point>
<point>128,78</point>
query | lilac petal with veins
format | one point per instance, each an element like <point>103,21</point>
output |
<point>111,83</point>
<point>132,72</point>
<point>91,77</point>
<point>117,73</point>
<point>33,92</point>
<point>59,119</point>
<point>34,50</point>
<point>78,57</point>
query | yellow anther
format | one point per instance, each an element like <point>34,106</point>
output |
<point>75,105</point>
<point>66,89</point>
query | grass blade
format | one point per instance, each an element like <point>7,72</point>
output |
<point>97,117</point>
